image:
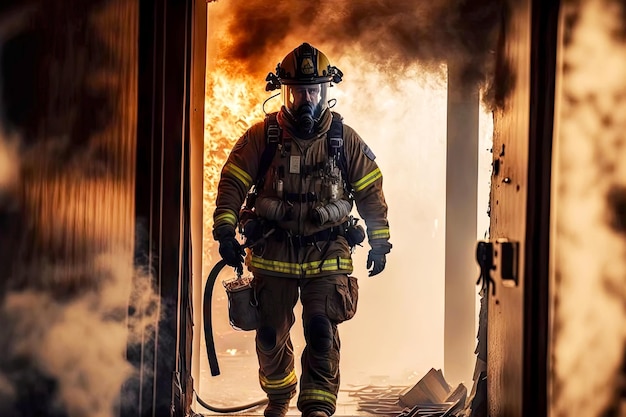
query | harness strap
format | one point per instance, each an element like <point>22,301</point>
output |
<point>335,137</point>
<point>336,150</point>
<point>306,240</point>
<point>326,235</point>
<point>273,135</point>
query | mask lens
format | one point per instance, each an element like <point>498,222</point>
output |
<point>298,96</point>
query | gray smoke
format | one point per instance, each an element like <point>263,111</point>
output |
<point>68,310</point>
<point>389,34</point>
<point>68,354</point>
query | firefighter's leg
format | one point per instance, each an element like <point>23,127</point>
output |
<point>277,298</point>
<point>319,383</point>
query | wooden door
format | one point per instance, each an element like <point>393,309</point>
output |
<point>520,210</point>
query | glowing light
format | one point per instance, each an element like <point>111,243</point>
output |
<point>233,104</point>
<point>403,119</point>
<point>397,102</point>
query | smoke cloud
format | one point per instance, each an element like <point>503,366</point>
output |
<point>394,93</point>
<point>390,35</point>
<point>71,299</point>
<point>69,353</point>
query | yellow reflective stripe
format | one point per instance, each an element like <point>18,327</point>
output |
<point>287,381</point>
<point>309,268</point>
<point>327,265</point>
<point>317,395</point>
<point>238,173</point>
<point>277,266</point>
<point>379,233</point>
<point>227,217</point>
<point>367,180</point>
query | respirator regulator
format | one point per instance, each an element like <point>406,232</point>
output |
<point>305,118</point>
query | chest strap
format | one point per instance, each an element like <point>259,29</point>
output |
<point>300,241</point>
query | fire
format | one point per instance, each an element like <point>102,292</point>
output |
<point>402,117</point>
<point>234,102</point>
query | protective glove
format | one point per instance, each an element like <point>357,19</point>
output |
<point>377,261</point>
<point>230,249</point>
<point>231,252</point>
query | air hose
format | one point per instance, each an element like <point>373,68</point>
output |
<point>206,305</point>
<point>210,340</point>
<point>208,321</point>
<point>233,409</point>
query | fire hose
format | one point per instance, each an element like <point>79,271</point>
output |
<point>208,321</point>
<point>208,333</point>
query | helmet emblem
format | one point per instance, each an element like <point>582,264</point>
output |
<point>307,66</point>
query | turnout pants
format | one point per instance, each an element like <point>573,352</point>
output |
<point>326,301</point>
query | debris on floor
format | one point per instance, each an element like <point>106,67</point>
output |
<point>378,400</point>
<point>431,396</point>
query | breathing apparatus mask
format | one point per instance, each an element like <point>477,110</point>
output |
<point>305,103</point>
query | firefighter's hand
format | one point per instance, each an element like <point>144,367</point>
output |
<point>376,260</point>
<point>232,252</point>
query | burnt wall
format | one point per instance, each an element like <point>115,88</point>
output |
<point>520,208</point>
<point>68,88</point>
<point>94,202</point>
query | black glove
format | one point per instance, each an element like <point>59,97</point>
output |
<point>230,248</point>
<point>377,260</point>
<point>231,252</point>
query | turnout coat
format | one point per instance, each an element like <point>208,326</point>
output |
<point>297,181</point>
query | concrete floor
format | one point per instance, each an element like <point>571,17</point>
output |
<point>351,402</point>
<point>237,384</point>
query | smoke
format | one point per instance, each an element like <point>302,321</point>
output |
<point>71,299</point>
<point>75,346</point>
<point>387,34</point>
<point>394,93</point>
<point>589,338</point>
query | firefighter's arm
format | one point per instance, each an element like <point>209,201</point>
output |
<point>366,180</point>
<point>371,205</point>
<point>236,179</point>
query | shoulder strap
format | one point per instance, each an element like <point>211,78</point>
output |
<point>335,137</point>
<point>272,136</point>
<point>335,146</point>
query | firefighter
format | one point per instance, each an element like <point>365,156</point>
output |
<point>305,197</point>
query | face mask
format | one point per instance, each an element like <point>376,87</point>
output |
<point>304,118</point>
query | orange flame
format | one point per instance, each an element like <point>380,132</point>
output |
<point>233,104</point>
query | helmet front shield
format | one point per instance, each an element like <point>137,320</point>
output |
<point>305,98</point>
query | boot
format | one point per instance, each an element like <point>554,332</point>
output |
<point>277,408</point>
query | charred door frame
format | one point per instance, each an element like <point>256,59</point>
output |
<point>544,34</point>
<point>521,187</point>
<point>163,237</point>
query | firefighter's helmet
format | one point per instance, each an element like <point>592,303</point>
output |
<point>305,70</point>
<point>306,65</point>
